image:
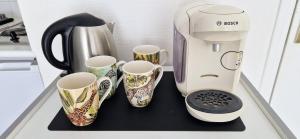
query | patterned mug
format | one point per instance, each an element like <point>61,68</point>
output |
<point>150,53</point>
<point>80,97</point>
<point>140,82</point>
<point>105,66</point>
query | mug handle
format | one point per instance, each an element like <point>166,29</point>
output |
<point>161,72</point>
<point>99,81</point>
<point>119,65</point>
<point>165,58</point>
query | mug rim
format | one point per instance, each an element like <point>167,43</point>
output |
<point>98,57</point>
<point>138,61</point>
<point>59,82</point>
<point>146,45</point>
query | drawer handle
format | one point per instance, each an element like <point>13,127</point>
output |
<point>21,66</point>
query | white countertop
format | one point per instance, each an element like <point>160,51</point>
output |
<point>258,125</point>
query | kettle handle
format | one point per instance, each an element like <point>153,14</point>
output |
<point>47,39</point>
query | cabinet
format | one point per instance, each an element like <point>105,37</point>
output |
<point>286,94</point>
<point>20,78</point>
<point>20,86</point>
<point>276,47</point>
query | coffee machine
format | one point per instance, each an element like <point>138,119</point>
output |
<point>208,47</point>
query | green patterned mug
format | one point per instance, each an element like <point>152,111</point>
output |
<point>80,96</point>
<point>105,66</point>
<point>140,82</point>
<point>150,53</point>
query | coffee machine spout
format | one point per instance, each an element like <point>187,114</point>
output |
<point>216,47</point>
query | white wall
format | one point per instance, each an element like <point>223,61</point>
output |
<point>145,22</point>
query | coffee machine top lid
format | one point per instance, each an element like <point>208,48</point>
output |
<point>222,10</point>
<point>212,18</point>
<point>203,17</point>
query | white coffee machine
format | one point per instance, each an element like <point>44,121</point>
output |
<point>208,47</point>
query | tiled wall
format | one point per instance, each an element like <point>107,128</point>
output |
<point>10,8</point>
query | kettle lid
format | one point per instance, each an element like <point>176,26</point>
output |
<point>82,19</point>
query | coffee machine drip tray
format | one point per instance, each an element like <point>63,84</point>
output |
<point>166,112</point>
<point>214,105</point>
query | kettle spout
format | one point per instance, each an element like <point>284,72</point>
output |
<point>111,26</point>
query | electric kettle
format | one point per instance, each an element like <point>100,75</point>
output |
<point>83,36</point>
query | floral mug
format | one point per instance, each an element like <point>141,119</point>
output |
<point>151,53</point>
<point>105,66</point>
<point>80,96</point>
<point>140,81</point>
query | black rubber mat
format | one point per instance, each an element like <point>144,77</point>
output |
<point>166,112</point>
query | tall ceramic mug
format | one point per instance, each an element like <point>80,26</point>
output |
<point>151,53</point>
<point>80,97</point>
<point>140,82</point>
<point>105,66</point>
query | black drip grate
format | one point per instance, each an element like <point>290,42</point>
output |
<point>214,101</point>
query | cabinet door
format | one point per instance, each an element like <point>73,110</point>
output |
<point>20,85</point>
<point>275,50</point>
<point>286,94</point>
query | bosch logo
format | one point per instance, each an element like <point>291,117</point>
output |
<point>231,23</point>
<point>219,23</point>
<point>227,23</point>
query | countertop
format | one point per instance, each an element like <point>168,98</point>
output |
<point>15,51</point>
<point>260,120</point>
